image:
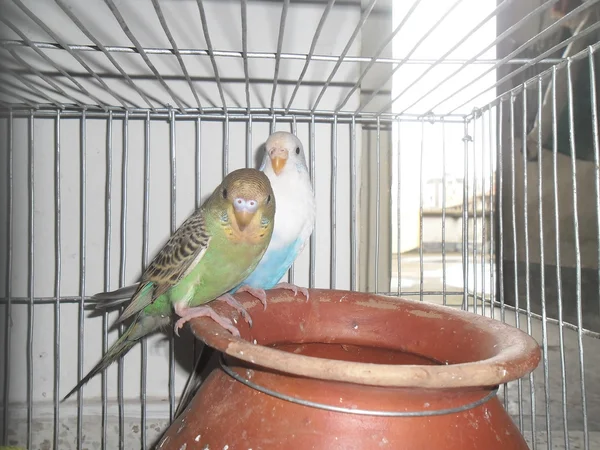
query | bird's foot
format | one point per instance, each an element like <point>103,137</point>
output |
<point>255,292</point>
<point>293,288</point>
<point>188,314</point>
<point>231,301</point>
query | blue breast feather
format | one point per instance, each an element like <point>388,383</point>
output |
<point>272,267</point>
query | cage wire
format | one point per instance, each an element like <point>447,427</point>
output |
<point>453,149</point>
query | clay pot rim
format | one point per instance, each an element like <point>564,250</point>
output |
<point>516,353</point>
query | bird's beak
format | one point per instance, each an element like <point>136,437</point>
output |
<point>278,157</point>
<point>243,218</point>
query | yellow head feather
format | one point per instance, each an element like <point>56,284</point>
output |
<point>246,201</point>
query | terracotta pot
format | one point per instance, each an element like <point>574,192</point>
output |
<point>348,370</point>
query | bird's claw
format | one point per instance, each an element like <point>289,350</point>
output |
<point>204,311</point>
<point>255,292</point>
<point>231,328</point>
<point>178,325</point>
<point>293,288</point>
<point>231,301</point>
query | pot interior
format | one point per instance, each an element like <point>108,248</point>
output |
<point>356,353</point>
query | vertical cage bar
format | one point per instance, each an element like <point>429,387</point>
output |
<point>172,154</point>
<point>465,217</point>
<point>542,266</point>
<point>199,160</point>
<point>57,276</point>
<point>225,145</point>
<point>483,217</point>
<point>291,269</point>
<point>282,21</point>
<point>9,248</point>
<point>444,180</point>
<point>353,212</point>
<point>526,248</point>
<point>31,306</point>
<point>561,337</point>
<point>389,172</point>
<point>82,273</point>
<point>399,211</point>
<point>493,269</point>
<point>244,13</point>
<point>586,437</point>
<point>145,232</point>
<point>514,241</point>
<point>377,200</point>
<point>313,236</point>
<point>122,268</point>
<point>594,111</point>
<point>107,253</point>
<point>421,261</point>
<point>475,138</point>
<point>198,346</point>
<point>500,202</point>
<point>333,261</point>
<point>500,199</point>
<point>249,162</point>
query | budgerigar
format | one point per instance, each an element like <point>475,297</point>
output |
<point>285,165</point>
<point>214,250</point>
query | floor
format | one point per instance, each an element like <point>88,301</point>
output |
<point>518,395</point>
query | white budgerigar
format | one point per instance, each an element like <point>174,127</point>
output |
<point>284,164</point>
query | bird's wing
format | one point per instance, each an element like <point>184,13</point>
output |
<point>182,252</point>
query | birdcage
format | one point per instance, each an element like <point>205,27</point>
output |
<point>119,118</point>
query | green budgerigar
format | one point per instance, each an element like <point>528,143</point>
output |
<point>213,251</point>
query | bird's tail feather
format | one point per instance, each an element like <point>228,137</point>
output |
<point>119,348</point>
<point>109,300</point>
<point>142,326</point>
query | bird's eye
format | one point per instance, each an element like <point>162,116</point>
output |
<point>297,150</point>
<point>252,203</point>
<point>268,199</point>
<point>224,193</point>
